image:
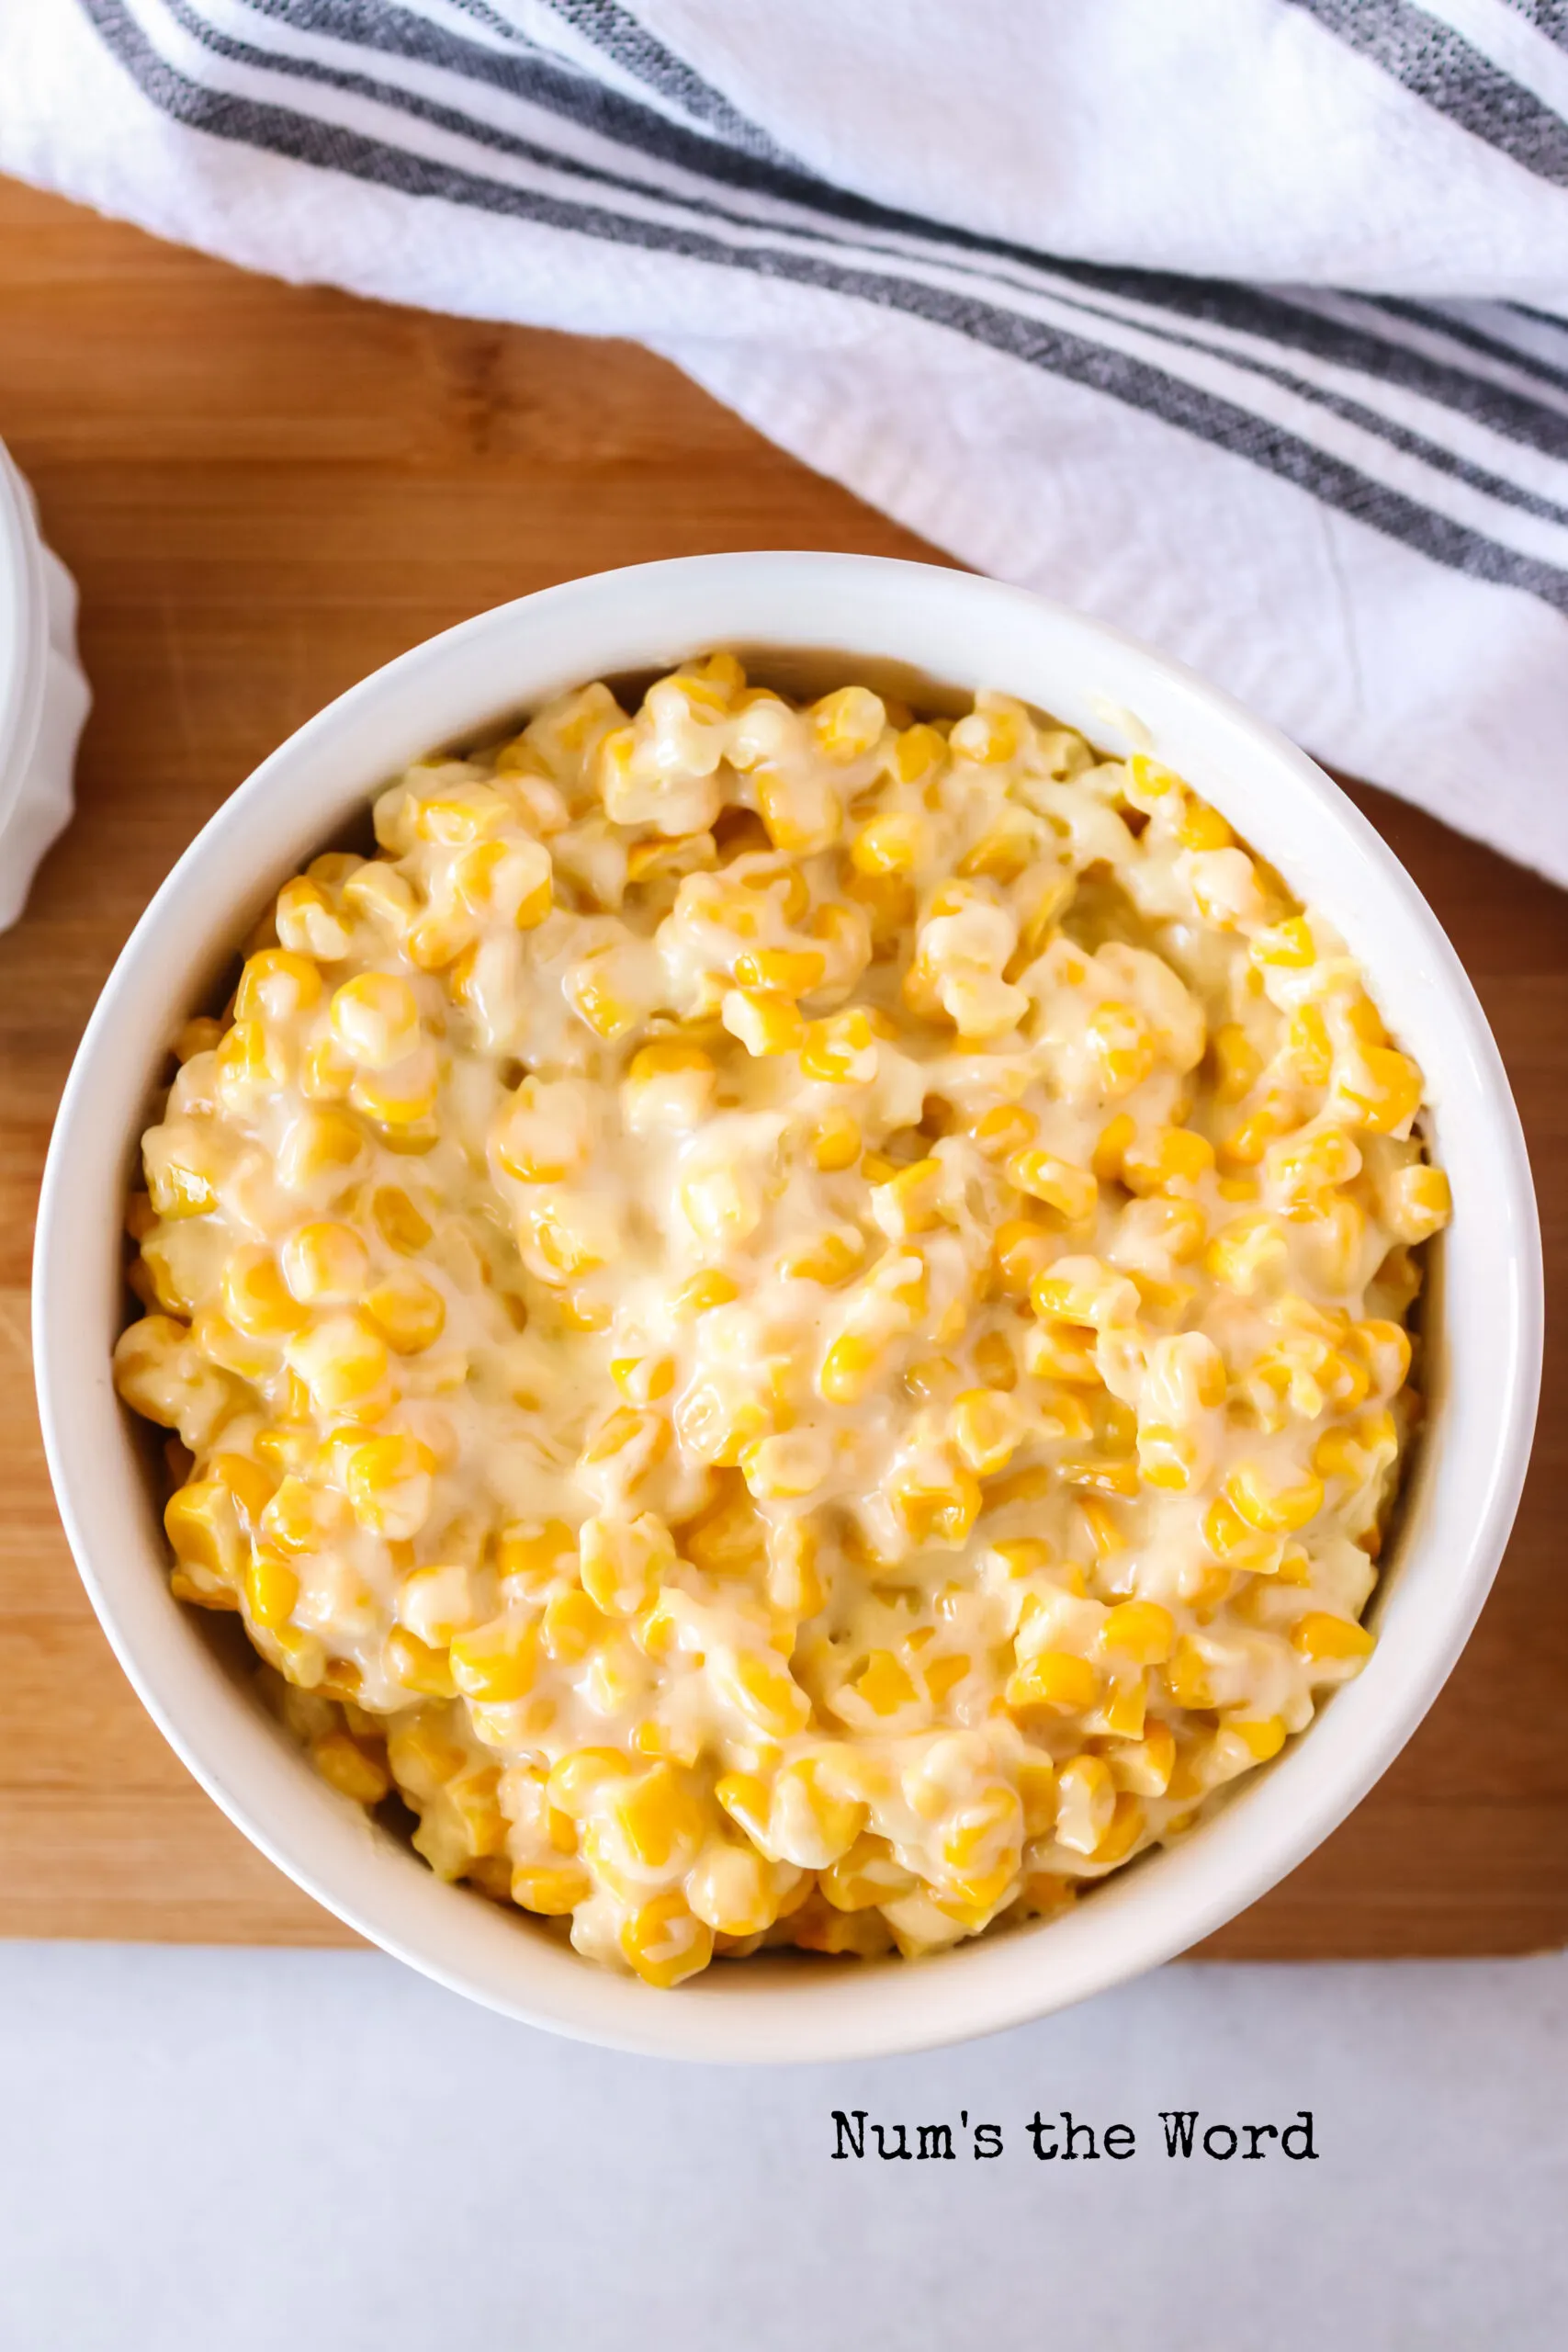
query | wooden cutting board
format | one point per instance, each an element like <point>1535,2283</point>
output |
<point>264,491</point>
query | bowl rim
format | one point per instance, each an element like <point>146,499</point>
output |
<point>875,2009</point>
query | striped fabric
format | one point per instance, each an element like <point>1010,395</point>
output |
<point>1242,322</point>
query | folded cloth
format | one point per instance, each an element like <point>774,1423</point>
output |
<point>1243,323</point>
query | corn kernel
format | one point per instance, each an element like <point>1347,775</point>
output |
<point>1326,1640</point>
<point>341,1761</point>
<point>625,1561</point>
<point>1072,1192</point>
<point>665,1942</point>
<point>1055,1678</point>
<point>498,1663</point>
<point>1141,1630</point>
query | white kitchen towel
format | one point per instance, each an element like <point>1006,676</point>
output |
<point>1243,323</point>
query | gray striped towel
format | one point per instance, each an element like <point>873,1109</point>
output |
<point>1243,323</point>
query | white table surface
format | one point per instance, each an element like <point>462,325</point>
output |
<point>273,2152</point>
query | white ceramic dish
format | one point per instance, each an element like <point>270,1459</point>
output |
<point>1486,1308</point>
<point>43,696</point>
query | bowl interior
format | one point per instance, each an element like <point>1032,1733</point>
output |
<point>927,634</point>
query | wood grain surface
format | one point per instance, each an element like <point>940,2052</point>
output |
<point>266,490</point>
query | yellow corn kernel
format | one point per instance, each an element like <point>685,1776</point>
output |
<point>840,1050</point>
<point>831,1259</point>
<point>895,844</point>
<point>765,1691</point>
<point>785,1466</point>
<point>277,985</point>
<point>811,1819</point>
<point>1024,1556</point>
<point>343,1361</point>
<point>570,1627</point>
<point>733,1889</point>
<point>200,1521</point>
<point>1231,1538</point>
<point>1116,1140</point>
<point>1082,1290</point>
<point>766,1022</point>
<point>415,1666</point>
<point>272,1590</point>
<point>884,1685</point>
<point>1168,1458</point>
<point>352,1772</point>
<point>1389,1095</point>
<point>848,1369</point>
<point>1326,1640</point>
<point>410,1314</point>
<point>986,1430</point>
<point>1286,946</point>
<point>624,1431</point>
<point>643,1380</point>
<point>746,1800</point>
<point>1143,1766</point>
<point>1072,1192</point>
<point>1237,1062</point>
<point>401,1226</point>
<point>403,1096</point>
<point>623,1561</point>
<point>255,1296</point>
<point>1036,1776</point>
<point>1149,783</point>
<point>665,1942</point>
<point>1141,1630</point>
<point>375,1019</point>
<point>591,990</point>
<point>1004,1129</point>
<point>326,1265</point>
<point>781,971</point>
<point>197,1037</point>
<point>1086,1803</point>
<point>579,1780</point>
<point>701,1293</point>
<point>1020,1249</point>
<point>801,817</point>
<point>1273,1507</point>
<point>669,1057</point>
<point>659,1817</point>
<point>389,1484</point>
<point>1057,1679</point>
<point>1421,1202</point>
<point>939,1515</point>
<point>1122,1047</point>
<point>498,1663</point>
<point>1248,1253</point>
<point>1308,1048</point>
<point>917,753</point>
<point>848,723</point>
<point>909,1201</point>
<point>1126,1825</point>
<point>1104,1526</point>
<point>943,1675</point>
<point>1187,1674</point>
<point>1261,1736</point>
<point>1172,1158</point>
<point>320,1145</point>
<point>551,1889</point>
<point>1203,828</point>
<point>251,1066</point>
<point>534,1554</point>
<point>835,1142</point>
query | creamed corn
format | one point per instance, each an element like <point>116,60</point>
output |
<point>791,1322</point>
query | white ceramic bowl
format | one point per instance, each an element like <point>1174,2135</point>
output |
<point>43,696</point>
<point>1486,1307</point>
